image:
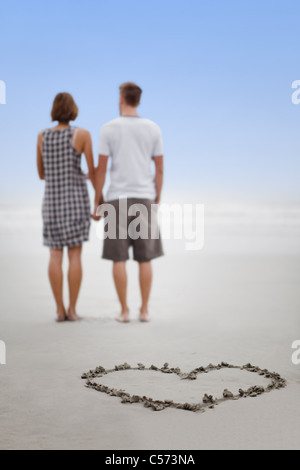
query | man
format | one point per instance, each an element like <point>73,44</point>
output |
<point>132,143</point>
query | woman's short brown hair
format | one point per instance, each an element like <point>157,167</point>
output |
<point>64,108</point>
<point>132,93</point>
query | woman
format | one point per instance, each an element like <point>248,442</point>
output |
<point>66,206</point>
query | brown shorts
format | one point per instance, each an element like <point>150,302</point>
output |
<point>131,223</point>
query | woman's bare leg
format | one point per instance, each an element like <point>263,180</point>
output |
<point>56,281</point>
<point>120,278</point>
<point>146,277</point>
<point>75,279</point>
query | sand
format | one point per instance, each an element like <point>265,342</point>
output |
<point>207,307</point>
<point>155,378</point>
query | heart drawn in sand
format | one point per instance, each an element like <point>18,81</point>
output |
<point>208,401</point>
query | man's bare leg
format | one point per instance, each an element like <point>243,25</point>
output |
<point>56,280</point>
<point>75,279</point>
<point>120,278</point>
<point>146,276</point>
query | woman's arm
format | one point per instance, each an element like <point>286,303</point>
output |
<point>100,177</point>
<point>87,149</point>
<point>40,164</point>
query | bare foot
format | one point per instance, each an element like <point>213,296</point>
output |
<point>61,317</point>
<point>144,317</point>
<point>72,316</point>
<point>123,318</point>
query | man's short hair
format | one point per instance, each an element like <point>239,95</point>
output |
<point>64,108</point>
<point>132,93</point>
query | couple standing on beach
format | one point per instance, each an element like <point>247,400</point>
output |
<point>132,143</point>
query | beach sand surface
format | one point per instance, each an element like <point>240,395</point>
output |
<point>207,307</point>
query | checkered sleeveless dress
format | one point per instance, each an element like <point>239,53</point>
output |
<point>66,205</point>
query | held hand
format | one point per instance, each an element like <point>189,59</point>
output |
<point>98,214</point>
<point>95,216</point>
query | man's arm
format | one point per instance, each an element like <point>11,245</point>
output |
<point>100,177</point>
<point>40,165</point>
<point>159,176</point>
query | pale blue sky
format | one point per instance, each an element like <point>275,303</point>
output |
<point>216,76</point>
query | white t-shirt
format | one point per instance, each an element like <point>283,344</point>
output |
<point>131,143</point>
